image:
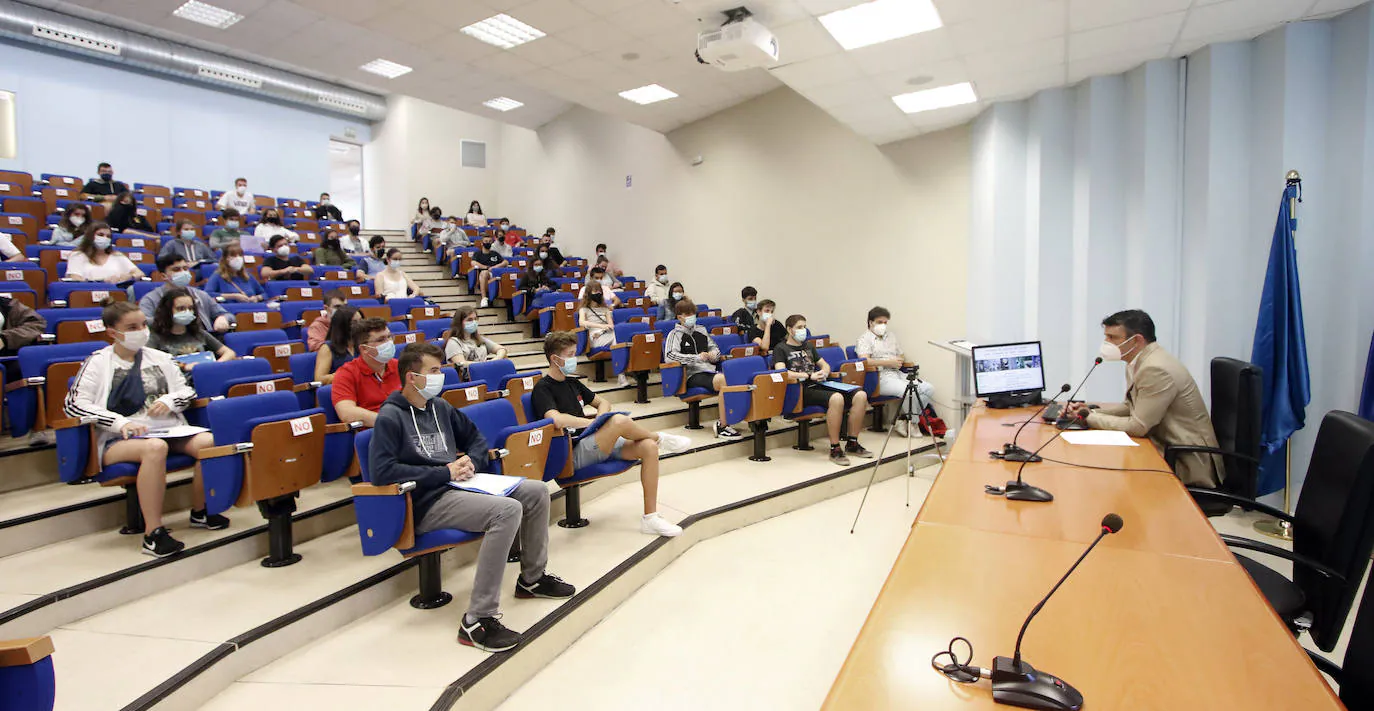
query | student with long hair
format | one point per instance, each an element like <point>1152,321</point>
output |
<point>475,217</point>
<point>124,215</point>
<point>420,218</point>
<point>232,281</point>
<point>95,258</point>
<point>595,316</point>
<point>337,348</point>
<point>535,281</point>
<point>464,342</point>
<point>70,228</point>
<point>176,330</point>
<point>267,230</point>
<point>393,282</point>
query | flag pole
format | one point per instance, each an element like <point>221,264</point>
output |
<point>1272,527</point>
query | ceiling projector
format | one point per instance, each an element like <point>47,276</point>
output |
<point>741,43</point>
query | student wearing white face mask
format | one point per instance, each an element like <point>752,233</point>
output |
<point>882,353</point>
<point>419,438</point>
<point>177,271</point>
<point>95,258</point>
<point>677,293</point>
<point>222,236</point>
<point>283,264</point>
<point>393,282</point>
<point>656,291</point>
<point>269,229</point>
<point>188,245</point>
<point>1162,400</point>
<point>176,331</point>
<point>464,342</point>
<point>239,198</point>
<point>798,356</point>
<point>69,228</point>
<point>232,281</point>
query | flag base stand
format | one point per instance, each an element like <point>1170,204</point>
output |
<point>1275,528</point>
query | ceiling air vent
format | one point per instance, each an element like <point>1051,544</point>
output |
<point>345,104</point>
<point>215,74</point>
<point>75,40</point>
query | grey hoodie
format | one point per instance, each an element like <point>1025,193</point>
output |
<point>416,445</point>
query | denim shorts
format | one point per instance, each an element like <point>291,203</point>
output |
<point>586,453</point>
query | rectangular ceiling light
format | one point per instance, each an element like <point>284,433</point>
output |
<point>648,94</point>
<point>207,14</point>
<point>503,31</point>
<point>880,21</point>
<point>941,97</point>
<point>501,103</point>
<point>386,68</point>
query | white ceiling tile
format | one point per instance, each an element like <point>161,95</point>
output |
<point>1087,14</point>
<point>551,16</point>
<point>458,46</point>
<point>547,51</point>
<point>908,53</point>
<point>1021,24</point>
<point>831,69</point>
<point>822,7</point>
<point>605,7</point>
<point>1009,86</point>
<point>940,74</point>
<point>445,13</point>
<point>944,118</point>
<point>1234,14</point>
<point>405,29</point>
<point>593,70</point>
<point>649,18</point>
<point>505,63</point>
<point>803,40</point>
<point>354,11</point>
<point>857,92</point>
<point>590,37</point>
<point>875,111</point>
<point>953,12</point>
<point>1326,7</point>
<point>149,11</point>
<point>242,7</point>
<point>1114,39</point>
<point>770,13</point>
<point>1021,57</point>
<point>1113,64</point>
<point>669,68</point>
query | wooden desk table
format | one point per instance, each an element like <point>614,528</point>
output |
<point>1159,617</point>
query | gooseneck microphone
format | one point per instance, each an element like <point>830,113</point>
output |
<point>1017,683</point>
<point>1021,491</point>
<point>1062,419</point>
<point>1011,452</point>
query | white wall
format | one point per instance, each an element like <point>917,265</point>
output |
<point>73,114</point>
<point>787,200</point>
<point>416,153</point>
<point>1173,211</point>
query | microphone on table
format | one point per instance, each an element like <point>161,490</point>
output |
<point>1017,683</point>
<point>1019,490</point>
<point>1013,453</point>
<point>1063,422</point>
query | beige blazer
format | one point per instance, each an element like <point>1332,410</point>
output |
<point>1164,403</point>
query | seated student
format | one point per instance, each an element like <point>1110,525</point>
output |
<point>464,344</point>
<point>372,263</point>
<point>420,438</point>
<point>690,345</point>
<point>435,224</point>
<point>362,384</point>
<point>338,345</point>
<point>222,236</point>
<point>330,253</point>
<point>103,188</point>
<point>269,228</point>
<point>283,264</point>
<point>596,317</point>
<point>475,218</point>
<point>232,281</point>
<point>177,271</point>
<point>239,198</point>
<point>799,358</point>
<point>452,235</point>
<point>485,260</point>
<point>124,216</point>
<point>882,353</point>
<point>656,291</point>
<point>767,333</point>
<point>187,246</point>
<point>8,251</point>
<point>352,243</point>
<point>327,210</point>
<point>19,326</point>
<point>611,267</point>
<point>68,229</point>
<point>501,244</point>
<point>676,295</point>
<point>560,396</point>
<point>125,408</point>
<point>743,317</point>
<point>549,252</point>
<point>393,282</point>
<point>318,330</point>
<point>598,276</point>
<point>535,281</point>
<point>177,332</point>
<point>95,258</point>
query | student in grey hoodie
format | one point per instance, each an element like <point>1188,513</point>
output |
<point>421,438</point>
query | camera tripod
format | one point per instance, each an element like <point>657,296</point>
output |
<point>909,395</point>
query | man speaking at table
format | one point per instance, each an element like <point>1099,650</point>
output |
<point>1162,400</point>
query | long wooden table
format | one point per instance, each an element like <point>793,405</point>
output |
<point>1159,617</point>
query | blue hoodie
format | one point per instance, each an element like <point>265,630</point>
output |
<point>409,444</point>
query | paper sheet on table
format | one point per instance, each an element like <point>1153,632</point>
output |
<point>494,484</point>
<point>175,431</point>
<point>1103,438</point>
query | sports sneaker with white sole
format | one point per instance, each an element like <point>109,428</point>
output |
<point>669,443</point>
<point>724,432</point>
<point>487,634</point>
<point>485,303</point>
<point>160,543</point>
<point>656,525</point>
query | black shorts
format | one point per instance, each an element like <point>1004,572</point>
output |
<point>702,380</point>
<point>813,396</point>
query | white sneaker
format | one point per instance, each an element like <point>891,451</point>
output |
<point>622,381</point>
<point>672,444</point>
<point>656,525</point>
<point>484,303</point>
<point>899,429</point>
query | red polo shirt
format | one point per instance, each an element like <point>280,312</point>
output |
<point>357,381</point>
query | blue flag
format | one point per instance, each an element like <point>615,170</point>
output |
<point>1367,395</point>
<point>1281,350</point>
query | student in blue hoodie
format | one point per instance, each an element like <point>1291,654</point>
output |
<point>421,438</point>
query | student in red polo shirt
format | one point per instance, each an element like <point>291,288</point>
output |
<point>363,384</point>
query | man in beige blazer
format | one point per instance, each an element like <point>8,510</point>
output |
<point>1162,400</point>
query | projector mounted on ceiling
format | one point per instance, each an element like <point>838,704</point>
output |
<point>741,43</point>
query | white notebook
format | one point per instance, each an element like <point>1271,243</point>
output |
<point>494,484</point>
<point>174,432</point>
<point>1101,438</point>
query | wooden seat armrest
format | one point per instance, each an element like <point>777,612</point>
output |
<point>22,383</point>
<point>495,395</point>
<point>737,388</point>
<point>338,427</point>
<point>384,489</point>
<point>497,454</point>
<point>69,422</point>
<point>201,402</point>
<point>618,346</point>
<point>26,651</point>
<point>224,450</point>
<point>302,387</point>
<point>666,365</point>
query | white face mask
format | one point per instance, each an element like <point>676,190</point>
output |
<point>236,263</point>
<point>134,340</point>
<point>879,329</point>
<point>766,316</point>
<point>434,384</point>
<point>283,251</point>
<point>240,189</point>
<point>395,263</point>
<point>78,220</point>
<point>663,279</point>
<point>1112,352</point>
<point>232,224</point>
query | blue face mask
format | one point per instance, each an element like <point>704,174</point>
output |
<point>184,318</point>
<point>181,278</point>
<point>689,321</point>
<point>569,366</point>
<point>470,326</point>
<point>385,352</point>
<point>799,334</point>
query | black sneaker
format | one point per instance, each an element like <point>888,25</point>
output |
<point>857,450</point>
<point>837,456</point>
<point>723,432</point>
<point>160,543</point>
<point>549,586</point>
<point>488,635</point>
<point>199,519</point>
